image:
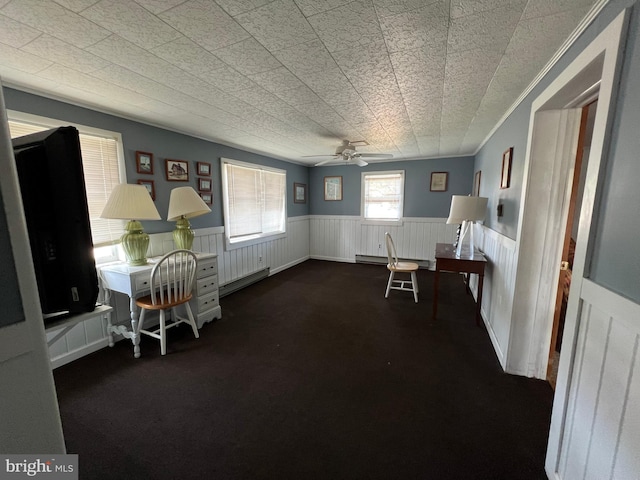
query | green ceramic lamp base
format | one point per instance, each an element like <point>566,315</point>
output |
<point>135,244</point>
<point>183,235</point>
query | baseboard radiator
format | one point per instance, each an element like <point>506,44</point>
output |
<point>383,260</point>
<point>243,282</point>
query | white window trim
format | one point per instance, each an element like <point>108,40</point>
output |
<point>254,239</point>
<point>386,221</point>
<point>109,253</point>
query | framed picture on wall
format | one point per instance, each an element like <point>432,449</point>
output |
<point>505,178</point>
<point>207,198</point>
<point>439,181</point>
<point>204,184</point>
<point>177,170</point>
<point>299,193</point>
<point>150,187</point>
<point>204,169</point>
<point>476,184</point>
<point>144,162</point>
<point>332,188</point>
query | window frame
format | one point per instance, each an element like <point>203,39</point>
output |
<point>253,239</point>
<point>382,221</point>
<point>103,254</point>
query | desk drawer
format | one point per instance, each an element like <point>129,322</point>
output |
<point>206,268</point>
<point>207,285</point>
<point>207,302</point>
<point>142,282</point>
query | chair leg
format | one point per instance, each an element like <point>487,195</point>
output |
<point>192,322</point>
<point>389,283</point>
<point>414,284</point>
<point>163,334</point>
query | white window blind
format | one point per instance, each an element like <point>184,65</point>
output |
<point>383,195</point>
<point>101,174</point>
<point>254,201</point>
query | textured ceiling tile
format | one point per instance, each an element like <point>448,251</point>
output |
<point>55,20</point>
<point>188,56</point>
<point>51,48</point>
<point>15,33</point>
<point>477,65</point>
<point>159,6</point>
<point>76,5</point>
<point>26,62</point>
<point>248,57</point>
<point>313,7</point>
<point>14,77</point>
<point>306,58</point>
<point>543,8</point>
<point>205,23</point>
<point>236,7</point>
<point>122,52</point>
<point>227,79</point>
<point>277,25</point>
<point>72,78</point>
<point>463,8</point>
<point>296,97</point>
<point>131,21</point>
<point>427,26</point>
<point>347,27</point>
<point>385,8</point>
<point>488,29</point>
<point>276,80</point>
<point>429,145</point>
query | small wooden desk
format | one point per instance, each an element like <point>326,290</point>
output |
<point>446,260</point>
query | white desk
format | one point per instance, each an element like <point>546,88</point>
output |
<point>134,282</point>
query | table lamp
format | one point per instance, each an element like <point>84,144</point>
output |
<point>466,210</point>
<point>133,203</point>
<point>185,203</point>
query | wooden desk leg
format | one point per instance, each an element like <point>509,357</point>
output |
<point>435,293</point>
<point>479,304</point>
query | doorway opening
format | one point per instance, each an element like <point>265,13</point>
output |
<point>576,187</point>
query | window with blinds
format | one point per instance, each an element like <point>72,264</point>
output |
<point>254,199</point>
<point>101,173</point>
<point>382,195</point>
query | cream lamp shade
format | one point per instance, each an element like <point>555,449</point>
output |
<point>133,203</point>
<point>466,210</point>
<point>185,203</point>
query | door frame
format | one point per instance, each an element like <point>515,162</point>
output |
<point>532,315</point>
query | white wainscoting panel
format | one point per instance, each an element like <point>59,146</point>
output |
<point>497,291</point>
<point>341,238</point>
<point>278,254</point>
<point>601,437</point>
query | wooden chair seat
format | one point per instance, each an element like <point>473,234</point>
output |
<point>148,302</point>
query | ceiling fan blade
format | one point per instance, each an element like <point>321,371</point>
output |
<point>324,162</point>
<point>375,155</point>
<point>359,162</point>
<point>320,156</point>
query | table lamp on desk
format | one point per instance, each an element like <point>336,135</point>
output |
<point>133,203</point>
<point>185,203</point>
<point>466,210</point>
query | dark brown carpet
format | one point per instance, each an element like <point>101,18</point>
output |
<point>311,374</point>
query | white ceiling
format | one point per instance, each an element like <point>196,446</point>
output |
<point>288,78</point>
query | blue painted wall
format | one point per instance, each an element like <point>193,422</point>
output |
<point>615,259</point>
<point>419,200</point>
<point>163,144</point>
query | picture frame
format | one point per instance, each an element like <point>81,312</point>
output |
<point>207,198</point>
<point>439,181</point>
<point>144,162</point>
<point>476,183</point>
<point>505,178</point>
<point>204,184</point>
<point>177,170</point>
<point>299,193</point>
<point>151,188</point>
<point>333,188</point>
<point>203,169</point>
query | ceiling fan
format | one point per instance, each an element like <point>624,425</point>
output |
<point>348,155</point>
